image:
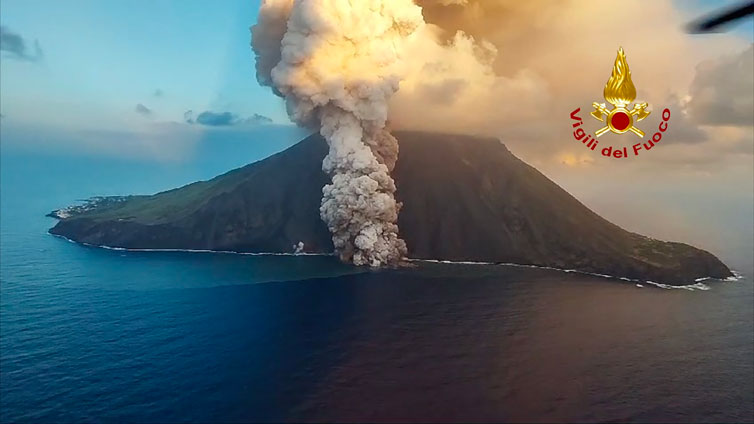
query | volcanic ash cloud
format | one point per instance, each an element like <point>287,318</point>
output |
<point>337,63</point>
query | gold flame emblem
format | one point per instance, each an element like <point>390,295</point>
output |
<point>620,92</point>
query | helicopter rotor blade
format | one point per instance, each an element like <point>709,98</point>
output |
<point>713,21</point>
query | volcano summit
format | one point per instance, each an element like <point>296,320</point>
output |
<point>464,199</point>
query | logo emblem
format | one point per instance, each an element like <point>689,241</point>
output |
<point>620,92</point>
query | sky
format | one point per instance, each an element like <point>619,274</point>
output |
<point>121,64</point>
<point>100,59</point>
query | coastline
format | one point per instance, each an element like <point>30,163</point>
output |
<point>697,285</point>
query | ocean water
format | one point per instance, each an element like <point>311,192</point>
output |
<point>97,335</point>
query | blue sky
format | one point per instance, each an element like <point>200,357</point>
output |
<point>102,58</point>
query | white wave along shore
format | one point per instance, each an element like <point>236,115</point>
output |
<point>698,285</point>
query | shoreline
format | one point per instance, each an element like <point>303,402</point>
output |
<point>697,285</point>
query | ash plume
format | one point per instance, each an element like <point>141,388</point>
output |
<point>337,64</point>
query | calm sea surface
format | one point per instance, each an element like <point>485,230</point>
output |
<point>97,335</point>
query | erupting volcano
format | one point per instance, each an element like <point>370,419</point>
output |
<point>337,64</point>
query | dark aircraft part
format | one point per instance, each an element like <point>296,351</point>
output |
<point>714,21</point>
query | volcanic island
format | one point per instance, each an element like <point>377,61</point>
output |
<point>464,198</point>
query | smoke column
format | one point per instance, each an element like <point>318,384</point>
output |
<point>337,63</point>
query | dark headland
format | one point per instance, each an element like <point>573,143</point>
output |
<point>464,199</point>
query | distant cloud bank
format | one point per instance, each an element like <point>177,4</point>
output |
<point>143,110</point>
<point>16,47</point>
<point>224,119</point>
<point>216,119</point>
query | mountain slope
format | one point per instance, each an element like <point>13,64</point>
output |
<point>464,198</point>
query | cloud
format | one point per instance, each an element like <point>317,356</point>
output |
<point>257,119</point>
<point>721,92</point>
<point>684,130</point>
<point>16,47</point>
<point>515,70</point>
<point>266,37</point>
<point>158,93</point>
<point>216,119</point>
<point>143,110</point>
<point>224,119</point>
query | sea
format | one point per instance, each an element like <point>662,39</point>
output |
<point>90,334</point>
